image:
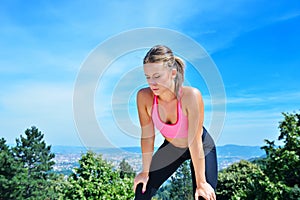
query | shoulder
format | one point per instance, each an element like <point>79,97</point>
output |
<point>145,95</point>
<point>190,93</point>
<point>144,104</point>
<point>191,97</point>
<point>192,102</point>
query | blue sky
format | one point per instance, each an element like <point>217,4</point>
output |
<point>43,44</point>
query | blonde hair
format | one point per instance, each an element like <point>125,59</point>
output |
<point>161,53</point>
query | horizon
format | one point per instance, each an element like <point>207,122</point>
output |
<point>44,46</point>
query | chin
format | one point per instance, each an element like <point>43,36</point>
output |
<point>156,92</point>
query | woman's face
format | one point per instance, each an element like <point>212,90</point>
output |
<point>159,77</point>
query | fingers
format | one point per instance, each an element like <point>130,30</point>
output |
<point>142,181</point>
<point>144,187</point>
<point>200,194</point>
<point>134,186</point>
<point>206,196</point>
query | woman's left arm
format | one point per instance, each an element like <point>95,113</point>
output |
<point>195,113</point>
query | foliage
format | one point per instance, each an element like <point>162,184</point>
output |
<point>96,179</point>
<point>26,173</point>
<point>282,163</point>
<point>8,169</point>
<point>126,170</point>
<point>245,180</point>
<point>181,183</point>
<point>275,177</point>
<point>163,192</point>
<point>26,168</point>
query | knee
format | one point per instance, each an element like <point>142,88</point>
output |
<point>147,195</point>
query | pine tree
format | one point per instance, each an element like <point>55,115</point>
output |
<point>126,169</point>
<point>181,187</point>
<point>8,169</point>
<point>33,179</point>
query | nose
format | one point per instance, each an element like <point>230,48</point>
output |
<point>152,82</point>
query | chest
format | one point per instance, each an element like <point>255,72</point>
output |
<point>168,112</point>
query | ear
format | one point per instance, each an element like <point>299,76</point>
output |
<point>174,73</point>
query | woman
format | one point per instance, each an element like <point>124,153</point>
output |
<point>177,112</point>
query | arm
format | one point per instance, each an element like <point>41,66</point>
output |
<point>147,137</point>
<point>147,128</point>
<point>195,112</point>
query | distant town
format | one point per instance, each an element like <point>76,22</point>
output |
<point>66,158</point>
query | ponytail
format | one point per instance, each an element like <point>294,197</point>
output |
<point>180,67</point>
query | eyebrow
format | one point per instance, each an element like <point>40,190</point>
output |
<point>157,73</point>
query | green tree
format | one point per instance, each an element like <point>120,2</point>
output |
<point>275,177</point>
<point>282,162</point>
<point>246,180</point>
<point>163,192</point>
<point>34,179</point>
<point>126,169</point>
<point>95,178</point>
<point>181,183</point>
<point>27,168</point>
<point>179,187</point>
<point>8,169</point>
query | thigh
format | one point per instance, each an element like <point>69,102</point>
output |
<point>211,170</point>
<point>164,163</point>
<point>211,164</point>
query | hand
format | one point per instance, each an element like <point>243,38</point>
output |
<point>142,177</point>
<point>206,191</point>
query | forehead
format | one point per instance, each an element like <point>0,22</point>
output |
<point>151,68</point>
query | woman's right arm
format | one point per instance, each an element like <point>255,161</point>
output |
<point>147,135</point>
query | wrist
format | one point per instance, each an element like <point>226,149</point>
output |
<point>201,184</point>
<point>144,172</point>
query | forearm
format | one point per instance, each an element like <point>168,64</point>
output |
<point>198,159</point>
<point>147,145</point>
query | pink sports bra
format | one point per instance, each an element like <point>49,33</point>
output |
<point>177,130</point>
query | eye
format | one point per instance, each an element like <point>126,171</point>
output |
<point>158,76</point>
<point>147,77</point>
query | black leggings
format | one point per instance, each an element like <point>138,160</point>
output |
<point>168,158</point>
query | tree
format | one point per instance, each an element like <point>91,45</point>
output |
<point>126,170</point>
<point>181,183</point>
<point>8,169</point>
<point>275,177</point>
<point>246,180</point>
<point>95,178</point>
<point>31,162</point>
<point>282,162</point>
<point>180,186</point>
<point>163,192</point>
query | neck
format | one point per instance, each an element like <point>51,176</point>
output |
<point>167,96</point>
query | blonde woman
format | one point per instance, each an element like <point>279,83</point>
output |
<point>177,112</point>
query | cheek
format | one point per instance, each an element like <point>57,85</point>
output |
<point>164,81</point>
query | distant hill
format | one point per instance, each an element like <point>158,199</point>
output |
<point>229,150</point>
<point>66,157</point>
<point>245,152</point>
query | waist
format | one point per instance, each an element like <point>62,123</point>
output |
<point>183,142</point>
<point>173,134</point>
